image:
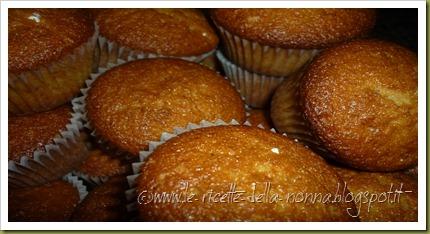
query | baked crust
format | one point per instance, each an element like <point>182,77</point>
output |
<point>361,101</point>
<point>32,132</point>
<point>105,203</point>
<point>100,164</point>
<point>39,36</point>
<point>134,103</point>
<point>170,32</point>
<point>296,28</point>
<point>403,208</point>
<point>50,202</point>
<point>213,158</point>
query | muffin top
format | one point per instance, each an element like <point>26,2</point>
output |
<point>361,101</point>
<point>134,103</point>
<point>170,32</point>
<point>296,28</point>
<point>32,132</point>
<point>105,203</point>
<point>48,203</point>
<point>214,160</point>
<point>400,208</point>
<point>40,36</point>
<point>99,163</point>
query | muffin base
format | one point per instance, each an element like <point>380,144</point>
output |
<point>255,88</point>
<point>59,158</point>
<point>51,85</point>
<point>264,59</point>
<point>111,51</point>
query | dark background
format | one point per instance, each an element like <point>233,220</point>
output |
<point>397,25</point>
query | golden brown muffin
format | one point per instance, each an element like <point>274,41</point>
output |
<point>259,116</point>
<point>382,203</point>
<point>53,202</point>
<point>134,103</point>
<point>50,50</point>
<point>237,173</point>
<point>105,203</point>
<point>32,132</point>
<point>361,102</point>
<point>296,28</point>
<point>278,42</point>
<point>167,32</point>
<point>100,164</point>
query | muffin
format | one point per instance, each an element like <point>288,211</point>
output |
<point>141,33</point>
<point>259,117</point>
<point>50,54</point>
<point>51,202</point>
<point>268,175</point>
<point>133,103</point>
<point>264,46</point>
<point>360,101</point>
<point>44,146</point>
<point>105,203</point>
<point>391,197</point>
<point>99,166</point>
<point>278,42</point>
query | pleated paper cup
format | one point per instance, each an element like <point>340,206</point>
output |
<point>55,160</point>
<point>110,52</point>
<point>264,59</point>
<point>78,184</point>
<point>257,89</point>
<point>51,85</point>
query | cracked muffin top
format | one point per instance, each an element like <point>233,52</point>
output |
<point>170,32</point>
<point>361,100</point>
<point>40,36</point>
<point>134,103</point>
<point>242,160</point>
<point>296,28</point>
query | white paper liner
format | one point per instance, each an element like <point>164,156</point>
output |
<point>111,51</point>
<point>79,106</point>
<point>257,89</point>
<point>78,184</point>
<point>264,59</point>
<point>29,97</point>
<point>66,152</point>
<point>91,180</point>
<point>165,136</point>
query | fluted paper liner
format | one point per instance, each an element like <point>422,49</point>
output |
<point>66,152</point>
<point>257,89</point>
<point>264,59</point>
<point>53,84</point>
<point>111,51</point>
<point>78,184</point>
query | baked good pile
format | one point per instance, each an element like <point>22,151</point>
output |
<point>209,115</point>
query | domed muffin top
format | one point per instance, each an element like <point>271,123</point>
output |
<point>296,28</point>
<point>49,203</point>
<point>208,161</point>
<point>361,101</point>
<point>32,132</point>
<point>134,103</point>
<point>170,32</point>
<point>40,36</point>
